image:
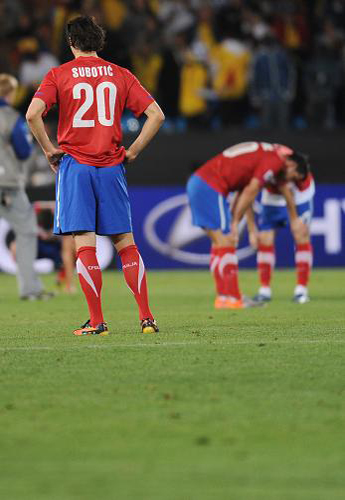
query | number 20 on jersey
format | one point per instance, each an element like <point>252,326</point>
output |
<point>90,94</point>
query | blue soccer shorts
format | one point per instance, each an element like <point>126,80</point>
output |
<point>91,199</point>
<point>273,217</point>
<point>210,210</point>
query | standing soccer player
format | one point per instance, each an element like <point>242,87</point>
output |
<point>91,188</point>
<point>244,168</point>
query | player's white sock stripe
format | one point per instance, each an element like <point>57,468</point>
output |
<point>304,256</point>
<point>81,269</point>
<point>228,258</point>
<point>266,258</point>
<point>141,272</point>
<point>58,200</point>
<point>221,212</point>
<point>214,264</point>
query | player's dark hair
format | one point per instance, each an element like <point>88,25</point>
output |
<point>302,161</point>
<point>85,34</point>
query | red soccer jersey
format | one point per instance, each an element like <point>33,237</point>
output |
<point>233,169</point>
<point>303,192</point>
<point>301,186</point>
<point>92,94</point>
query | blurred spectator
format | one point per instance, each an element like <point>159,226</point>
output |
<point>170,77</point>
<point>230,62</point>
<point>146,64</point>
<point>15,146</point>
<point>272,84</point>
<point>227,18</point>
<point>291,26</point>
<point>35,63</point>
<point>210,85</point>
<point>61,12</point>
<point>10,12</point>
<point>330,36</point>
<point>254,25</point>
<point>60,249</point>
<point>176,16</point>
<point>322,80</point>
<point>113,14</point>
<point>332,9</point>
<point>140,23</point>
<point>194,79</point>
<point>205,33</point>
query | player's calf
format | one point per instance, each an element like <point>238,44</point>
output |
<point>265,263</point>
<point>135,276</point>
<point>304,262</point>
<point>224,265</point>
<point>90,277</point>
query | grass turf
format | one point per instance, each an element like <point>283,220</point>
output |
<point>240,405</point>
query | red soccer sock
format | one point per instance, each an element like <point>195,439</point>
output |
<point>219,280</point>
<point>135,276</point>
<point>90,277</point>
<point>266,261</point>
<point>228,270</point>
<point>304,262</point>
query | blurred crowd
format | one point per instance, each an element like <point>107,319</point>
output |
<point>209,63</point>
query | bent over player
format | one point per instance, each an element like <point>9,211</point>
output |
<point>274,215</point>
<point>244,168</point>
<point>91,188</point>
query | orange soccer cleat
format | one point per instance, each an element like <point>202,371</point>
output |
<point>222,302</point>
<point>87,329</point>
<point>232,303</point>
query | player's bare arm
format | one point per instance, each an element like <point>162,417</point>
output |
<point>298,227</point>
<point>290,202</point>
<point>234,202</point>
<point>246,198</point>
<point>252,229</point>
<point>154,120</point>
<point>35,122</point>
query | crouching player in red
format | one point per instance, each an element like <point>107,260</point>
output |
<point>244,168</point>
<point>274,215</point>
<point>91,189</point>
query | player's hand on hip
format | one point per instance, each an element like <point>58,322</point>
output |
<point>130,156</point>
<point>54,156</point>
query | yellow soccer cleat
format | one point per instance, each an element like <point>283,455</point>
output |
<point>149,326</point>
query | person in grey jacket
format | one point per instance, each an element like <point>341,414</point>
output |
<point>15,147</point>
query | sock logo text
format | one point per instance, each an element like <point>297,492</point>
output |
<point>129,265</point>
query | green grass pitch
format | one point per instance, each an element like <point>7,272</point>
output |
<point>238,405</point>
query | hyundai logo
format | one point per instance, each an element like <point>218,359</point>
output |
<point>181,233</point>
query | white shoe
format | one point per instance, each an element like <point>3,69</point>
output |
<point>301,298</point>
<point>301,295</point>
